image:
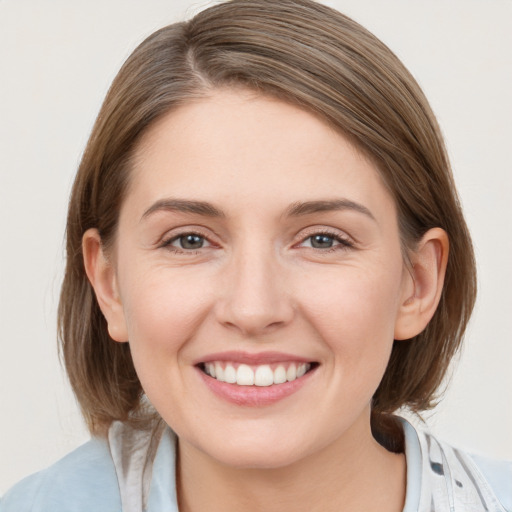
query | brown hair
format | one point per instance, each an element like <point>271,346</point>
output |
<point>317,58</point>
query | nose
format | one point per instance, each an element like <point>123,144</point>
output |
<point>255,299</point>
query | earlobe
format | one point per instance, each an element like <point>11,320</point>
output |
<point>423,285</point>
<point>102,276</point>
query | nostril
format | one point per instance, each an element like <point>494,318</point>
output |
<point>253,326</point>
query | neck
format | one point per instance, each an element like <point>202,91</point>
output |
<point>353,473</point>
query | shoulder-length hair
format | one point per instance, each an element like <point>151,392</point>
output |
<point>314,57</point>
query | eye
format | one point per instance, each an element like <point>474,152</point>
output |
<point>322,241</point>
<point>326,241</point>
<point>187,242</point>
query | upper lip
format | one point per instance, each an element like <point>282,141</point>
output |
<point>252,358</point>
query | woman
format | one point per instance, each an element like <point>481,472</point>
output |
<point>266,255</point>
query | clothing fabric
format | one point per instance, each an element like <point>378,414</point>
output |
<point>134,471</point>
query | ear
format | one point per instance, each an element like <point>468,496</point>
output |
<point>422,284</point>
<point>103,279</point>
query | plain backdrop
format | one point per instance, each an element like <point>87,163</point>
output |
<point>57,59</point>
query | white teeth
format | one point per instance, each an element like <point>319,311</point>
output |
<point>279,375</point>
<point>230,374</point>
<point>264,376</point>
<point>244,375</point>
<point>291,373</point>
<point>219,372</point>
<point>261,375</point>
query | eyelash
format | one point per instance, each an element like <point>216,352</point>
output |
<point>343,243</point>
<point>166,244</point>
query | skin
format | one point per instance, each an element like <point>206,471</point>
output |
<point>259,283</point>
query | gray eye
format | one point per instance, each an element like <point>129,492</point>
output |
<point>191,241</point>
<point>322,241</point>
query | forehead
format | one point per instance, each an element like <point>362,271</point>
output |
<point>238,142</point>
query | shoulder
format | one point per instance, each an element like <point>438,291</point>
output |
<point>82,481</point>
<point>491,479</point>
<point>444,477</point>
<point>498,474</point>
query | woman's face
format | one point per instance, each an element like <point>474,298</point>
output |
<point>255,244</point>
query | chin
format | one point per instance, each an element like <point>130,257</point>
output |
<point>256,451</point>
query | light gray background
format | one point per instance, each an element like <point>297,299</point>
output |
<point>57,59</point>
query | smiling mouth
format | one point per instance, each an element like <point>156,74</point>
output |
<point>256,375</point>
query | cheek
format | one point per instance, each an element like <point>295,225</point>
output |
<point>355,313</point>
<point>357,299</point>
<point>162,311</point>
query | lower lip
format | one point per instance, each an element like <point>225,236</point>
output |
<point>254,396</point>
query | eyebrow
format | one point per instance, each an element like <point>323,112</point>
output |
<point>307,208</point>
<point>296,209</point>
<point>185,206</point>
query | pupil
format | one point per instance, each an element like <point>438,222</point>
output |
<point>191,242</point>
<point>321,241</point>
